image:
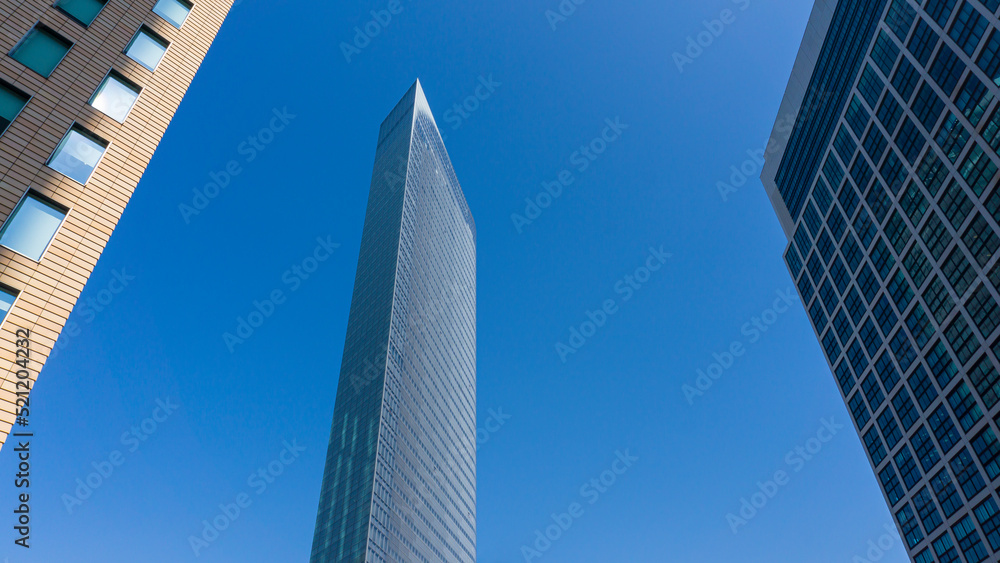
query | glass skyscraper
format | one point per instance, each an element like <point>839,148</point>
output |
<point>886,188</point>
<point>400,477</point>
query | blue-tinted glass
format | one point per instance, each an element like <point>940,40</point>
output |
<point>41,50</point>
<point>115,97</point>
<point>83,11</point>
<point>174,11</point>
<point>77,155</point>
<point>7,299</point>
<point>146,49</point>
<point>31,227</point>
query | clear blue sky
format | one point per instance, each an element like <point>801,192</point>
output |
<point>654,186</point>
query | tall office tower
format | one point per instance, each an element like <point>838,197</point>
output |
<point>87,88</point>
<point>886,189</point>
<point>400,477</point>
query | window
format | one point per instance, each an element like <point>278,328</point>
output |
<point>946,493</point>
<point>849,198</point>
<point>935,236</point>
<point>988,515</point>
<point>854,305</point>
<point>875,144</point>
<point>908,523</point>
<point>927,452</point>
<point>968,29</point>
<point>947,69</point>
<point>928,513</point>
<point>793,261</point>
<point>902,350</point>
<point>12,101</point>
<point>900,291</point>
<point>940,11</point>
<point>857,116</point>
<point>874,394</point>
<point>859,362</point>
<point>41,50</point>
<point>963,404</point>
<point>952,137</point>
<point>904,408</point>
<point>865,228</point>
<point>973,99</point>
<point>844,144</point>
<point>945,549</point>
<point>818,316</point>
<point>870,337</point>
<point>910,141</point>
<point>878,201</point>
<point>986,380</point>
<point>174,11</point>
<point>890,429</point>
<point>890,111</point>
<point>988,451</point>
<point>815,266</point>
<point>944,428</point>
<point>885,316</point>
<point>7,298</point>
<point>958,271</point>
<point>893,172</point>
<point>858,410</point>
<point>899,234</point>
<point>852,252</point>
<point>932,172</point>
<point>882,258</point>
<point>943,368</point>
<point>906,78</point>
<point>989,59</point>
<point>922,388</point>
<point>955,204</point>
<point>78,154</point>
<point>890,482</point>
<point>969,541</point>
<point>962,340</point>
<point>830,346</point>
<point>822,196</point>
<point>868,282</point>
<point>884,53</point>
<point>115,96</point>
<point>839,274</point>
<point>920,326</point>
<point>83,11</point>
<point>938,299</point>
<point>844,377</point>
<point>870,85</point>
<point>980,239</point>
<point>32,226</point>
<point>916,264</point>
<point>825,246</point>
<point>900,18</point>
<point>927,106</point>
<point>875,447</point>
<point>984,310</point>
<point>147,48</point>
<point>978,169</point>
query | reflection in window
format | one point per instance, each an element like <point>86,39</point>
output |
<point>12,101</point>
<point>115,96</point>
<point>174,11</point>
<point>83,11</point>
<point>147,48</point>
<point>78,154</point>
<point>32,226</point>
<point>41,50</point>
<point>7,298</point>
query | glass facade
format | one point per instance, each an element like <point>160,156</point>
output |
<point>400,476</point>
<point>41,50</point>
<point>147,48</point>
<point>893,247</point>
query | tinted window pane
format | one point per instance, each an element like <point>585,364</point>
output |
<point>11,103</point>
<point>31,227</point>
<point>115,97</point>
<point>83,11</point>
<point>41,50</point>
<point>174,11</point>
<point>6,302</point>
<point>77,155</point>
<point>146,49</point>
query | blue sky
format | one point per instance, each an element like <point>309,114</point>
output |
<point>277,73</point>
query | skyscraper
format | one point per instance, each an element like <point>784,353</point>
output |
<point>400,476</point>
<point>886,189</point>
<point>87,89</point>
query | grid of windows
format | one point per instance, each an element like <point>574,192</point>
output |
<point>920,242</point>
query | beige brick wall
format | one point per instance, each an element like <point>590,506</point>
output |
<point>49,289</point>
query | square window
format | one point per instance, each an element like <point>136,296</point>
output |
<point>147,48</point>
<point>12,101</point>
<point>32,226</point>
<point>83,11</point>
<point>41,50</point>
<point>115,96</point>
<point>78,154</point>
<point>174,11</point>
